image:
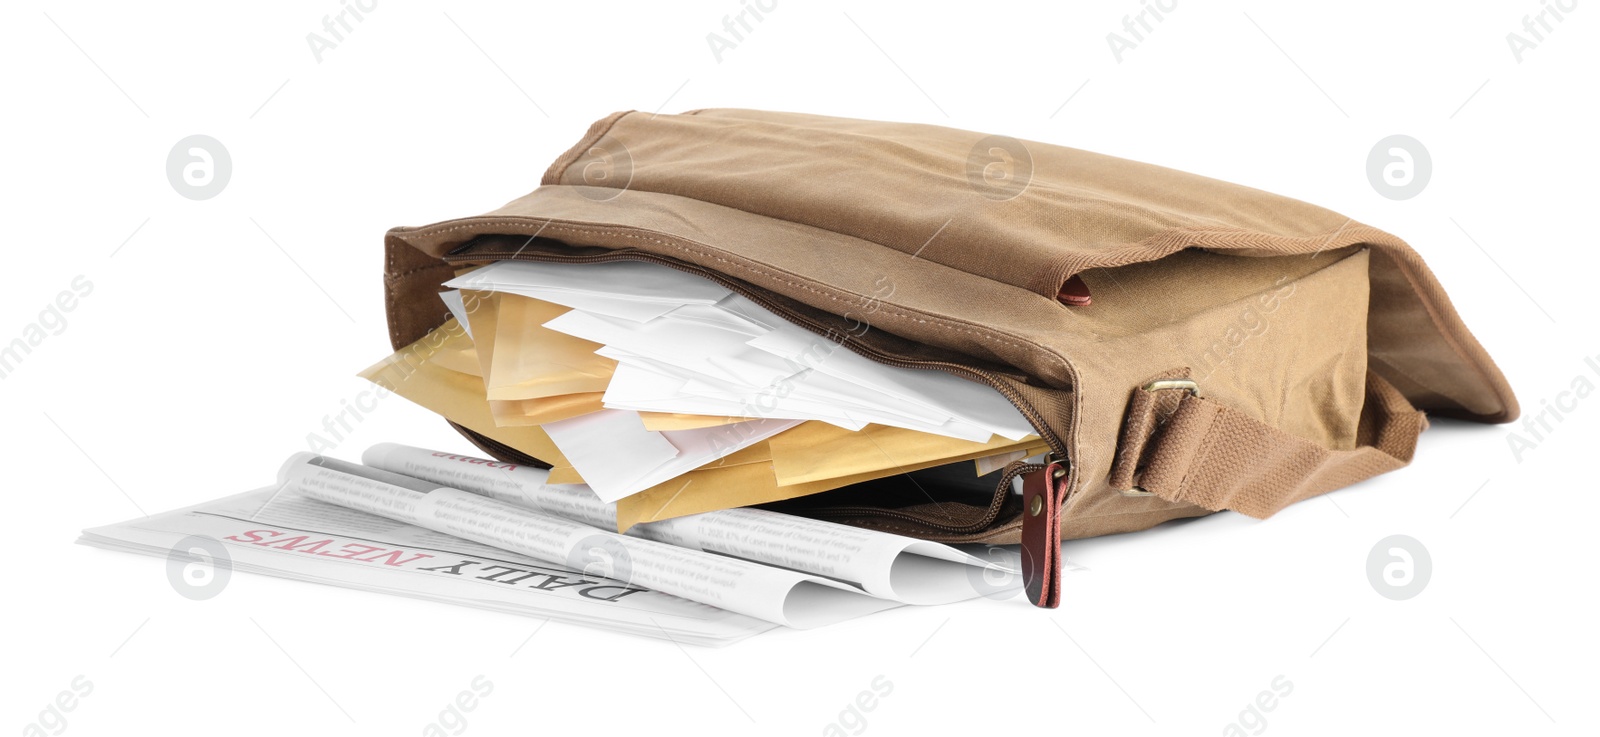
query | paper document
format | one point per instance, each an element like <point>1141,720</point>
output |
<point>882,564</point>
<point>768,593</point>
<point>532,361</point>
<point>458,308</point>
<point>292,536</point>
<point>717,353</point>
<point>592,287</point>
<point>670,395</point>
<point>595,442</point>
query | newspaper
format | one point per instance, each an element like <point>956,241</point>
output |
<point>881,564</point>
<point>776,595</point>
<point>292,536</point>
<point>482,533</point>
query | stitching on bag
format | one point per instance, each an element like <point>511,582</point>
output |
<point>893,527</point>
<point>391,300</point>
<point>1206,443</point>
<point>391,285</point>
<point>1389,366</point>
<point>1453,331</point>
<point>983,337</point>
<point>746,267</point>
<point>572,155</point>
<point>403,275</point>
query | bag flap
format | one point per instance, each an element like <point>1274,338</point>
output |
<point>1021,216</point>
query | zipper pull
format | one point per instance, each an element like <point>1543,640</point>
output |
<point>1043,491</point>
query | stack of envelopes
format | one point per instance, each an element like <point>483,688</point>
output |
<point>669,394</point>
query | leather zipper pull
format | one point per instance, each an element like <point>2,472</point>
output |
<point>1042,494</point>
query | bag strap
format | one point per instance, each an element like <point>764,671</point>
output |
<point>1182,447</point>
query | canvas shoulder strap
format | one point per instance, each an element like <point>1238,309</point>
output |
<point>1183,447</point>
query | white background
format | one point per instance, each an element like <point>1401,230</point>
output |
<point>219,333</point>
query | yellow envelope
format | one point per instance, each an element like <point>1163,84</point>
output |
<point>814,451</point>
<point>659,421</point>
<point>456,396</point>
<point>532,361</point>
<point>464,360</point>
<point>810,458</point>
<point>457,356</point>
<point>524,412</point>
<point>758,453</point>
<point>711,489</point>
<point>749,483</point>
<point>564,475</point>
<point>483,310</point>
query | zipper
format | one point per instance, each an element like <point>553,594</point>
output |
<point>1058,454</point>
<point>1002,493</point>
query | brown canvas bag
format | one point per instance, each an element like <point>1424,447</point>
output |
<point>1183,345</point>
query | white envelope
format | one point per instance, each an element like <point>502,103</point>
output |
<point>687,345</point>
<point>632,280</point>
<point>611,449</point>
<point>617,457</point>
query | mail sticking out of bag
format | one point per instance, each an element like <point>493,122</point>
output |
<point>668,394</point>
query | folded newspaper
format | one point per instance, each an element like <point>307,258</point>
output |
<point>494,535</point>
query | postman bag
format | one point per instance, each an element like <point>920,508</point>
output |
<point>1182,345</point>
